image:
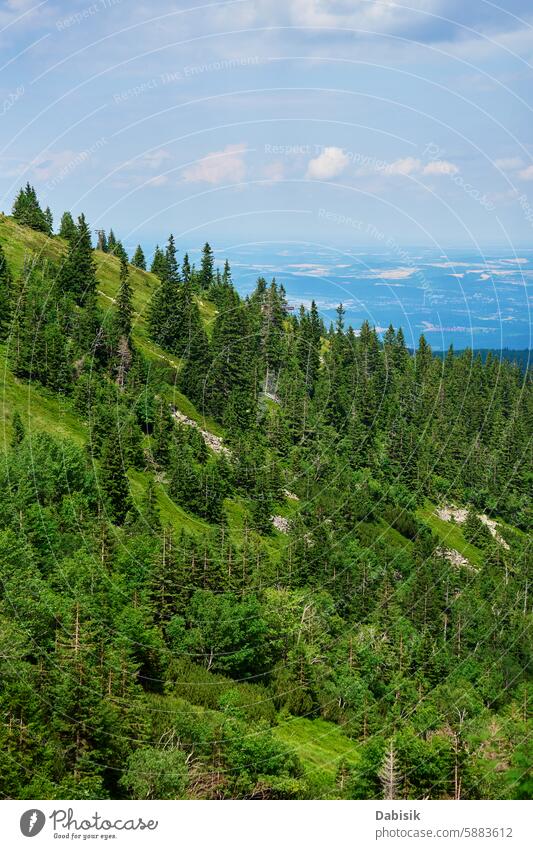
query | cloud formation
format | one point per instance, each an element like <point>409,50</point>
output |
<point>223,166</point>
<point>328,164</point>
<point>526,173</point>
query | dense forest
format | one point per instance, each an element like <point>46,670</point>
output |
<point>246,555</point>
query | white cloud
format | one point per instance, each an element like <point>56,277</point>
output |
<point>526,173</point>
<point>403,167</point>
<point>439,167</point>
<point>330,163</point>
<point>219,167</point>
<point>508,164</point>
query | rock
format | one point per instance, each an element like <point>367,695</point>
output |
<point>281,524</point>
<point>290,495</point>
<point>213,442</point>
<point>455,558</point>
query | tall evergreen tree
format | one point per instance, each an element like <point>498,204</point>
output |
<point>27,210</point>
<point>159,266</point>
<point>67,229</point>
<point>111,241</point>
<point>206,274</point>
<point>124,301</point>
<point>49,221</point>
<point>6,295</point>
<point>186,269</point>
<point>138,259</point>
<point>78,273</point>
<point>171,262</point>
<point>113,478</point>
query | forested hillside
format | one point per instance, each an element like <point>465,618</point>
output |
<point>246,555</point>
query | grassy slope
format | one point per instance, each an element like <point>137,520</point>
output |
<point>42,410</point>
<point>450,534</point>
<point>320,745</point>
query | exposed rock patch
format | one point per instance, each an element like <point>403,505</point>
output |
<point>281,524</point>
<point>213,442</point>
<point>450,513</point>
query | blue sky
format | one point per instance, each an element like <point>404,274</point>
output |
<point>326,121</point>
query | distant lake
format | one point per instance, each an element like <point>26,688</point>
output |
<point>465,298</point>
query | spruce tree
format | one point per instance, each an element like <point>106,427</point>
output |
<point>113,478</point>
<point>186,272</point>
<point>6,294</point>
<point>194,372</point>
<point>49,221</point>
<point>120,252</point>
<point>171,263</point>
<point>18,433</point>
<point>138,259</point>
<point>159,265</point>
<point>27,210</point>
<point>124,302</point>
<point>111,241</point>
<point>206,275</point>
<point>67,228</point>
<point>78,274</point>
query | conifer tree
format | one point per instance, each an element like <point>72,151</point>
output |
<point>171,262</point>
<point>49,221</point>
<point>78,273</point>
<point>159,266</point>
<point>138,259</point>
<point>124,301</point>
<point>18,430</point>
<point>6,295</point>
<point>67,229</point>
<point>111,241</point>
<point>206,275</point>
<point>27,210</point>
<point>113,478</point>
<point>120,252</point>
<point>186,272</point>
<point>195,370</point>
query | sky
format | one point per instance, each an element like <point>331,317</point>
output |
<point>325,122</point>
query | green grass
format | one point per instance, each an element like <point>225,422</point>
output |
<point>39,409</point>
<point>320,745</point>
<point>450,534</point>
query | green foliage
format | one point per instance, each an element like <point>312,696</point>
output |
<point>27,211</point>
<point>159,637</point>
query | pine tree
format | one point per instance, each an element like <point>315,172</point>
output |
<point>159,266</point>
<point>138,259</point>
<point>232,375</point>
<point>49,221</point>
<point>206,275</point>
<point>124,301</point>
<point>166,313</point>
<point>78,273</point>
<point>6,295</point>
<point>67,229</point>
<point>171,262</point>
<point>27,210</point>
<point>111,241</point>
<point>195,370</point>
<point>120,252</point>
<point>186,273</point>
<point>113,478</point>
<point>18,430</point>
